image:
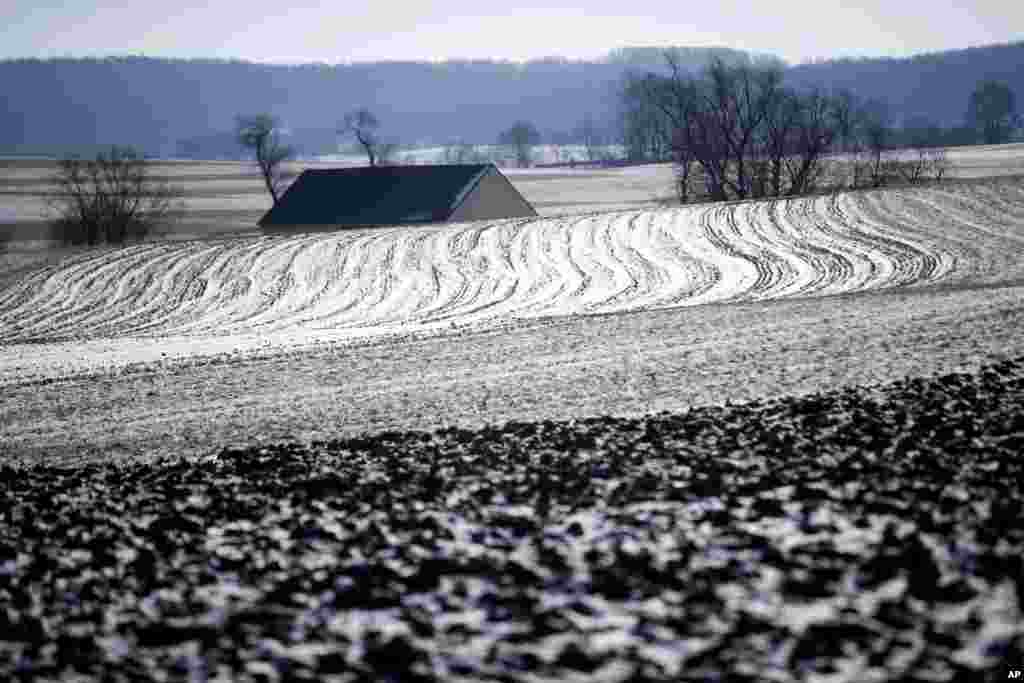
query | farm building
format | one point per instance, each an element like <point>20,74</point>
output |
<point>395,195</point>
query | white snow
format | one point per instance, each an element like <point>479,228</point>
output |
<point>111,308</point>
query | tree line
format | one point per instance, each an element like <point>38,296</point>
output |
<point>733,131</point>
<point>736,130</point>
<point>186,108</point>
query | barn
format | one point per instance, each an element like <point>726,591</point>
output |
<point>395,195</point>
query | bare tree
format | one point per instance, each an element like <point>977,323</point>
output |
<point>110,198</point>
<point>845,114</point>
<point>921,164</point>
<point>776,141</point>
<point>678,100</point>
<point>912,169</point>
<point>740,133</point>
<point>588,134</point>
<point>363,125</point>
<point>522,136</point>
<point>876,133</point>
<point>937,163</point>
<point>646,133</point>
<point>718,121</point>
<point>262,134</point>
<point>738,99</point>
<point>684,167</point>
<point>817,126</point>
<point>992,112</point>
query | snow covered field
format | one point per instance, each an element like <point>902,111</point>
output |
<point>832,493</point>
<point>119,306</point>
<point>442,293</point>
<point>221,295</point>
<point>228,197</point>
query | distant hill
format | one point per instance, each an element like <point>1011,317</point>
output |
<point>174,107</point>
<point>162,105</point>
<point>933,86</point>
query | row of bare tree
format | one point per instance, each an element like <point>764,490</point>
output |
<point>115,197</point>
<point>262,135</point>
<point>735,131</point>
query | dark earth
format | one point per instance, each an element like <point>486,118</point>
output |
<point>871,533</point>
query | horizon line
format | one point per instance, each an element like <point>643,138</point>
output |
<point>603,58</point>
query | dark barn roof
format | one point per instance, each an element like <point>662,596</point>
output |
<point>380,195</point>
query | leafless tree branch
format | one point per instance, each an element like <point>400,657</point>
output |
<point>261,134</point>
<point>110,198</point>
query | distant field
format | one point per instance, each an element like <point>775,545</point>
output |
<point>220,197</point>
<point>228,197</point>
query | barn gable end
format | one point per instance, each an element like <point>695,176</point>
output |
<point>492,197</point>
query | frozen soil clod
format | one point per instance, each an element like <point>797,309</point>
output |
<point>864,534</point>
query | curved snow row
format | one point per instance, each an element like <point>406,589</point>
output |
<point>352,283</point>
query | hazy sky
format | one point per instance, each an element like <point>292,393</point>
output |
<point>301,31</point>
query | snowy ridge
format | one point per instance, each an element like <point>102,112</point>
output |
<point>207,297</point>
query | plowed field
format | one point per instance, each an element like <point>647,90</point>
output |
<point>175,299</point>
<point>751,441</point>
